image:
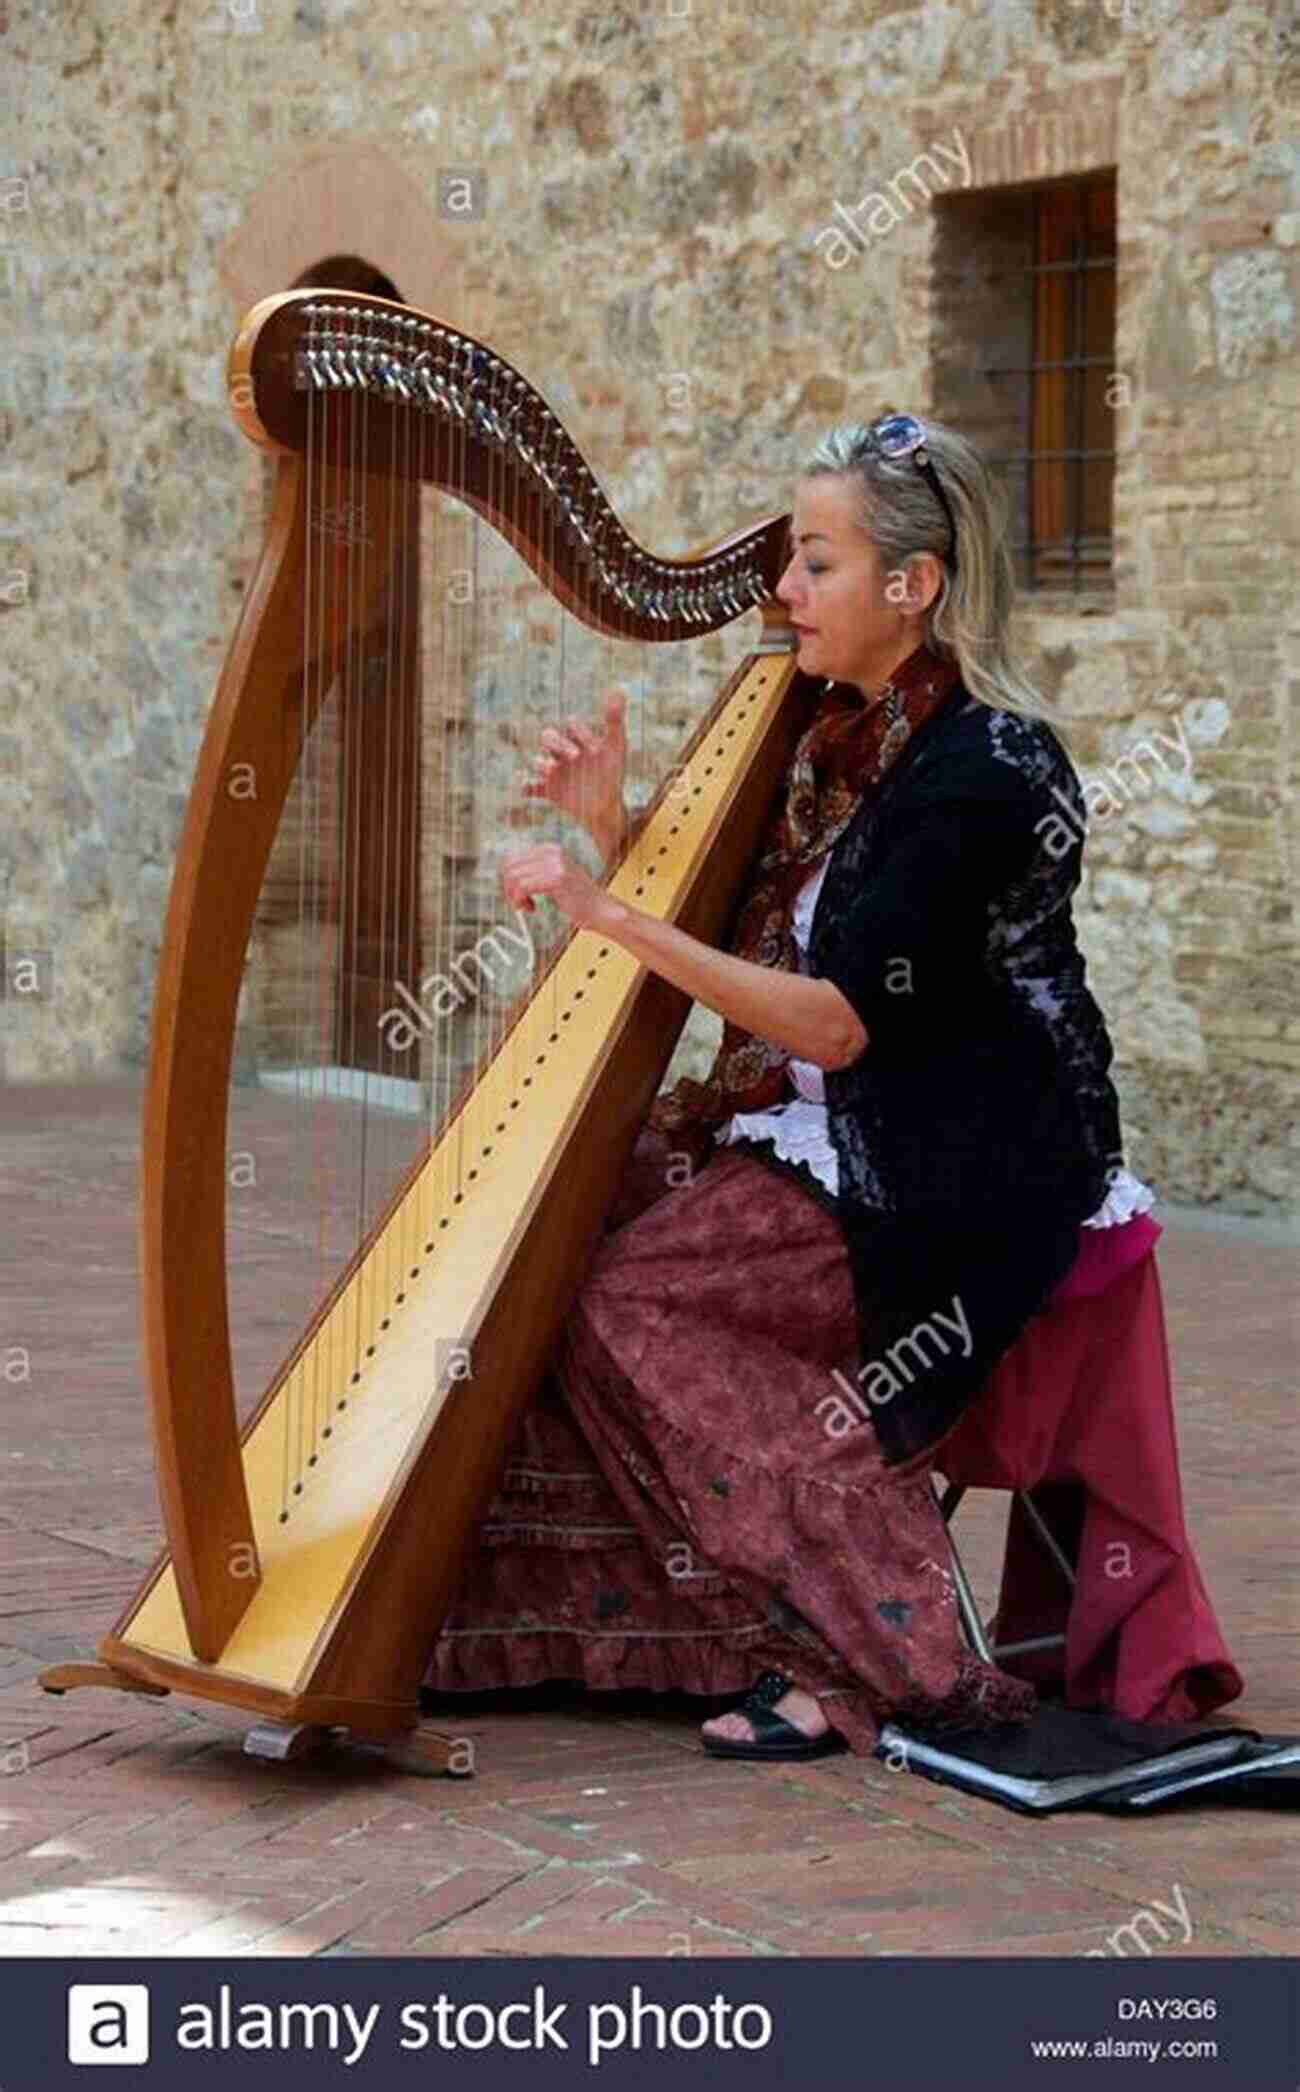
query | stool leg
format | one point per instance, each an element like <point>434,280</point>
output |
<point>966,1606</point>
<point>1047,1536</point>
<point>969,1611</point>
<point>1040,1527</point>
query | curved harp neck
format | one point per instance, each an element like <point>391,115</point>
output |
<point>486,435</point>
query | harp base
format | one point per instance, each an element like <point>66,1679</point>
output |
<point>427,1753</point>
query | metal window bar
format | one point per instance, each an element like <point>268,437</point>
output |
<point>1094,560</point>
<point>1026,510</point>
<point>1030,457</point>
<point>1094,550</point>
<point>1074,469</point>
<point>1018,370</point>
<point>1061,268</point>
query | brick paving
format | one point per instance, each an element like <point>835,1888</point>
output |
<point>592,1826</point>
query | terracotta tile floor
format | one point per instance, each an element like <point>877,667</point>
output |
<point>590,1828</point>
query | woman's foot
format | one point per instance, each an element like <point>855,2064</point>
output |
<point>774,1720</point>
<point>797,1707</point>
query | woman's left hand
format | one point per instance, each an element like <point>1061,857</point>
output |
<point>545,870</point>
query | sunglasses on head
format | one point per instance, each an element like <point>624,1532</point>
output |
<point>903,436</point>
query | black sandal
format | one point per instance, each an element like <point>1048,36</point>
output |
<point>774,1736</point>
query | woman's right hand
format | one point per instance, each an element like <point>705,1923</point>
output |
<point>580,767</point>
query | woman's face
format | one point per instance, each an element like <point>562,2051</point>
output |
<point>855,621</point>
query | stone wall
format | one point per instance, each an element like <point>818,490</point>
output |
<point>632,204</point>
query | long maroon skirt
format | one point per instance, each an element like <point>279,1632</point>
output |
<point>673,1515</point>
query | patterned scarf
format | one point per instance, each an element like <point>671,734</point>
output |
<point>842,755</point>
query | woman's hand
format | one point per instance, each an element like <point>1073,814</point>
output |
<point>545,870</point>
<point>580,769</point>
<point>807,1015</point>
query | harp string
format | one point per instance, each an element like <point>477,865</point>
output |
<point>516,821</point>
<point>422,577</point>
<point>375,731</point>
<point>471,899</point>
<point>287,1405</point>
<point>300,1019</point>
<point>481,742</point>
<point>384,956</point>
<point>348,928</point>
<point>506,714</point>
<point>405,793</point>
<point>464,914</point>
<point>444,841</point>
<point>463,692</point>
<point>424,871</point>
<point>329,712</point>
<point>408,796</point>
<point>492,657</point>
<point>314,943</point>
<point>404,815</point>
<point>457,534</point>
<point>336,993</point>
<point>551,713</point>
<point>325,714</point>
<point>311,941</point>
<point>343,987</point>
<point>465,882</point>
<point>449,840</point>
<point>359,522</point>
<point>298,1025</point>
<point>496,661</point>
<point>437,845</point>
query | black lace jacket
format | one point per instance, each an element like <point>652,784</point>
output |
<point>980,1127</point>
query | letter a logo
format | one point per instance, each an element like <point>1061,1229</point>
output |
<point>108,2023</point>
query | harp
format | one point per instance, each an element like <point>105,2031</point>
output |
<point>314,1535</point>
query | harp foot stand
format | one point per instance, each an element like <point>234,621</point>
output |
<point>66,1677</point>
<point>427,1753</point>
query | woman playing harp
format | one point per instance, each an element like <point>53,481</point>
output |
<point>818,1254</point>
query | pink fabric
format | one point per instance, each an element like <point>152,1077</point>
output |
<point>1083,1400</point>
<point>1105,1254</point>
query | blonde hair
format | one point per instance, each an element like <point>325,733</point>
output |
<point>970,618</point>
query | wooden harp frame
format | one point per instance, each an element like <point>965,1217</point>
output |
<point>337,1635</point>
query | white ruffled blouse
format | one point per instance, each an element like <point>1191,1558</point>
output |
<point>799,1130</point>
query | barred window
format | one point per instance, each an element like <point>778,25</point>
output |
<point>1025,362</point>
